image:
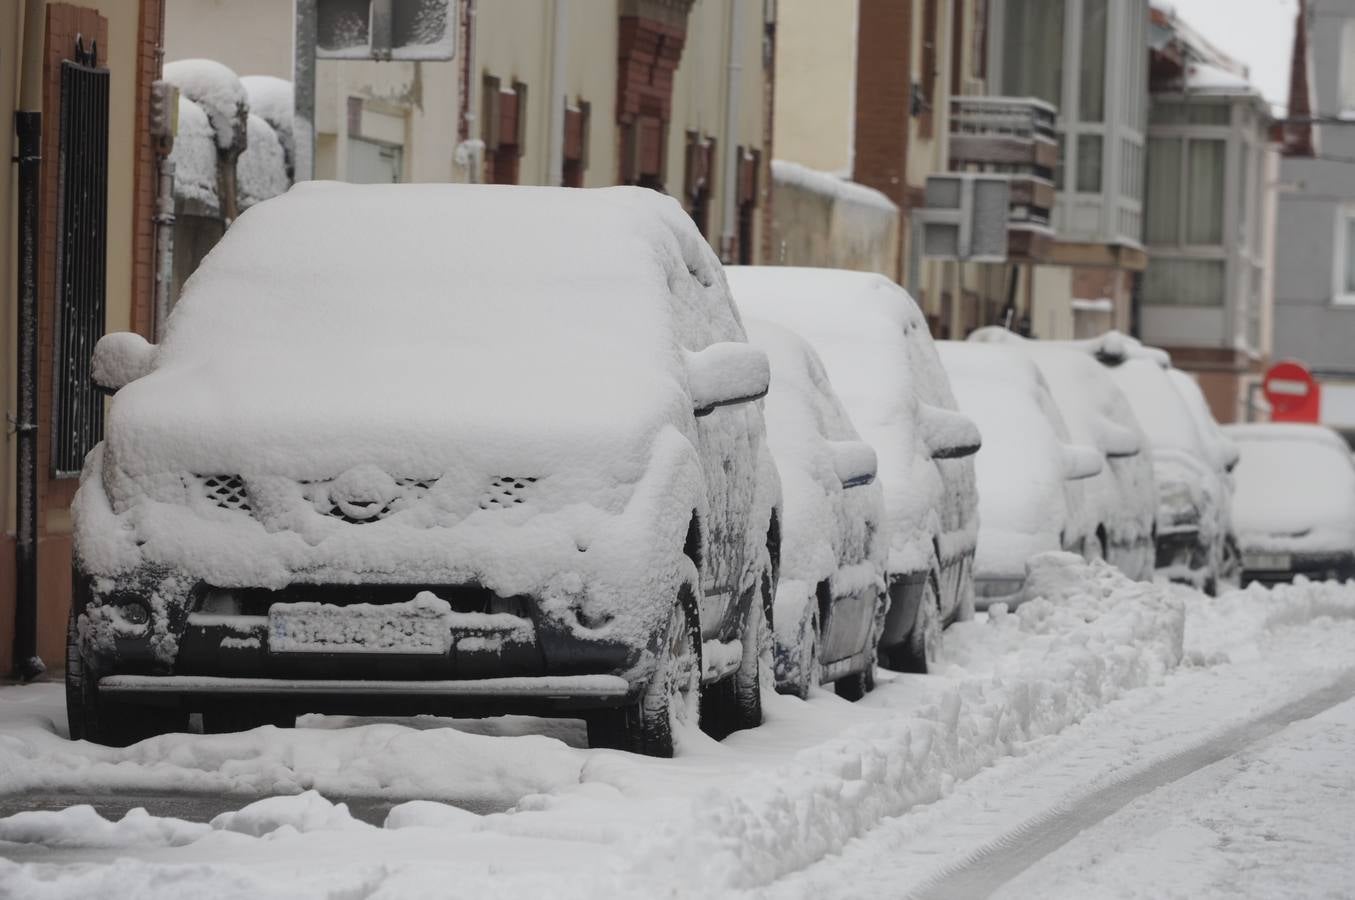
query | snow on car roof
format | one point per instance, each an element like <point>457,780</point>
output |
<point>858,324</point>
<point>1159,406</point>
<point>1294,481</point>
<point>465,307</point>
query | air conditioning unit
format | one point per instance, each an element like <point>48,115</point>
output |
<point>966,217</point>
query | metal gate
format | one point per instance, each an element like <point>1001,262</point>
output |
<point>81,261</point>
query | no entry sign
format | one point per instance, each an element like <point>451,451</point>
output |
<point>1293,394</point>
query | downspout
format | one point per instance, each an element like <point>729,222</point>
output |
<point>729,223</point>
<point>467,154</point>
<point>27,664</point>
<point>164,242</point>
<point>555,174</point>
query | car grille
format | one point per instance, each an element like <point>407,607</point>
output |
<point>507,491</point>
<point>411,490</point>
<point>226,491</point>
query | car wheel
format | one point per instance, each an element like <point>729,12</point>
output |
<point>102,721</point>
<point>853,687</point>
<point>918,651</point>
<point>671,699</point>
<point>800,663</point>
<point>736,702</point>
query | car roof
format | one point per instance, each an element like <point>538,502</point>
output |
<point>1243,432</point>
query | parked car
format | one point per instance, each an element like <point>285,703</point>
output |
<point>1031,496</point>
<point>1222,454</point>
<point>1122,499</point>
<point>831,600</point>
<point>1193,493</point>
<point>1294,509</point>
<point>879,355</point>
<point>464,449</point>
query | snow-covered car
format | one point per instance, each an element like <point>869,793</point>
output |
<point>1031,496</point>
<point>1222,454</point>
<point>831,600</point>
<point>1294,510</point>
<point>1122,499</point>
<point>467,449</point>
<point>1193,492</point>
<point>875,345</point>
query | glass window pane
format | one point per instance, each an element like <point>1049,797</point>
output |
<point>1212,113</point>
<point>1243,194</point>
<point>1183,282</point>
<point>1091,104</point>
<point>1204,193</point>
<point>1162,113</point>
<point>1350,255</point>
<point>1164,191</point>
<point>1348,65</point>
<point>1089,163</point>
<point>1032,51</point>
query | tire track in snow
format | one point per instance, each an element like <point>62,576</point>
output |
<point>994,863</point>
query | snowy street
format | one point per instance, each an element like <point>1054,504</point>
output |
<point>1060,746</point>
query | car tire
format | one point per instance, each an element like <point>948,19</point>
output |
<point>805,670</point>
<point>671,699</point>
<point>103,721</point>
<point>735,703</point>
<point>917,653</point>
<point>853,687</point>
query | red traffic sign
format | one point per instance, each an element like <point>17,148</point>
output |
<point>1293,393</point>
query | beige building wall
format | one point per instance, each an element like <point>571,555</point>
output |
<point>815,104</point>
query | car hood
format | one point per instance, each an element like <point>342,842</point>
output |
<point>304,422</point>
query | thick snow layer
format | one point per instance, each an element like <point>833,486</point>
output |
<point>261,171</point>
<point>1122,498</point>
<point>216,89</point>
<point>271,98</point>
<point>1027,504</point>
<point>506,368</point>
<point>743,813</point>
<point>1295,489</point>
<point>849,192</point>
<point>194,158</point>
<point>827,532</point>
<point>875,346</point>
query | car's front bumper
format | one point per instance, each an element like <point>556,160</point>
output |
<point>1279,567</point>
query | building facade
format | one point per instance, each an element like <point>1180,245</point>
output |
<point>1315,263</point>
<point>1207,292</point>
<point>80,75</point>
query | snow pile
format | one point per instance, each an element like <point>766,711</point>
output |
<point>1231,626</point>
<point>216,89</point>
<point>271,99</point>
<point>194,158</point>
<point>82,826</point>
<point>296,814</point>
<point>842,191</point>
<point>1295,489</point>
<point>261,171</point>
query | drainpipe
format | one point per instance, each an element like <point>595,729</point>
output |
<point>729,225</point>
<point>467,154</point>
<point>27,664</point>
<point>555,175</point>
<point>164,242</point>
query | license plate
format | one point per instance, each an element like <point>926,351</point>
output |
<point>421,626</point>
<point>1266,561</point>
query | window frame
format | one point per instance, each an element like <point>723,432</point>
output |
<point>1345,214</point>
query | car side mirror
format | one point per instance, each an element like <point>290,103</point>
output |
<point>854,462</point>
<point>1117,441</point>
<point>727,373</point>
<point>119,359</point>
<point>948,434</point>
<point>1080,461</point>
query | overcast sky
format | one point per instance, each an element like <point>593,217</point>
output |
<point>1257,33</point>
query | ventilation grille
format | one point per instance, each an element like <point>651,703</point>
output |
<point>506,491</point>
<point>226,491</point>
<point>411,490</point>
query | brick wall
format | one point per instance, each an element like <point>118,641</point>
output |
<point>150,33</point>
<point>883,84</point>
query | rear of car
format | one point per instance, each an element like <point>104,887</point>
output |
<point>1294,509</point>
<point>1030,475</point>
<point>831,599</point>
<point>487,482</point>
<point>875,345</point>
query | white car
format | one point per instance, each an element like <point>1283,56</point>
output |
<point>1122,499</point>
<point>1031,497</point>
<point>831,599</point>
<point>467,449</point>
<point>879,355</point>
<point>1294,509</point>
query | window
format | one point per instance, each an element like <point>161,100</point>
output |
<point>504,117</point>
<point>1204,193</point>
<point>576,145</point>
<point>374,162</point>
<point>1032,52</point>
<point>1348,66</point>
<point>1243,194</point>
<point>930,17</point>
<point>1091,105</point>
<point>1089,163</point>
<point>1345,257</point>
<point>1183,282</point>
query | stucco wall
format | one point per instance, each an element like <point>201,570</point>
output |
<point>819,222</point>
<point>815,79</point>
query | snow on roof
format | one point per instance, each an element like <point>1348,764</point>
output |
<point>829,185</point>
<point>261,171</point>
<point>218,91</point>
<point>860,325</point>
<point>1295,488</point>
<point>412,321</point>
<point>194,158</point>
<point>1202,77</point>
<point>271,98</point>
<point>822,523</point>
